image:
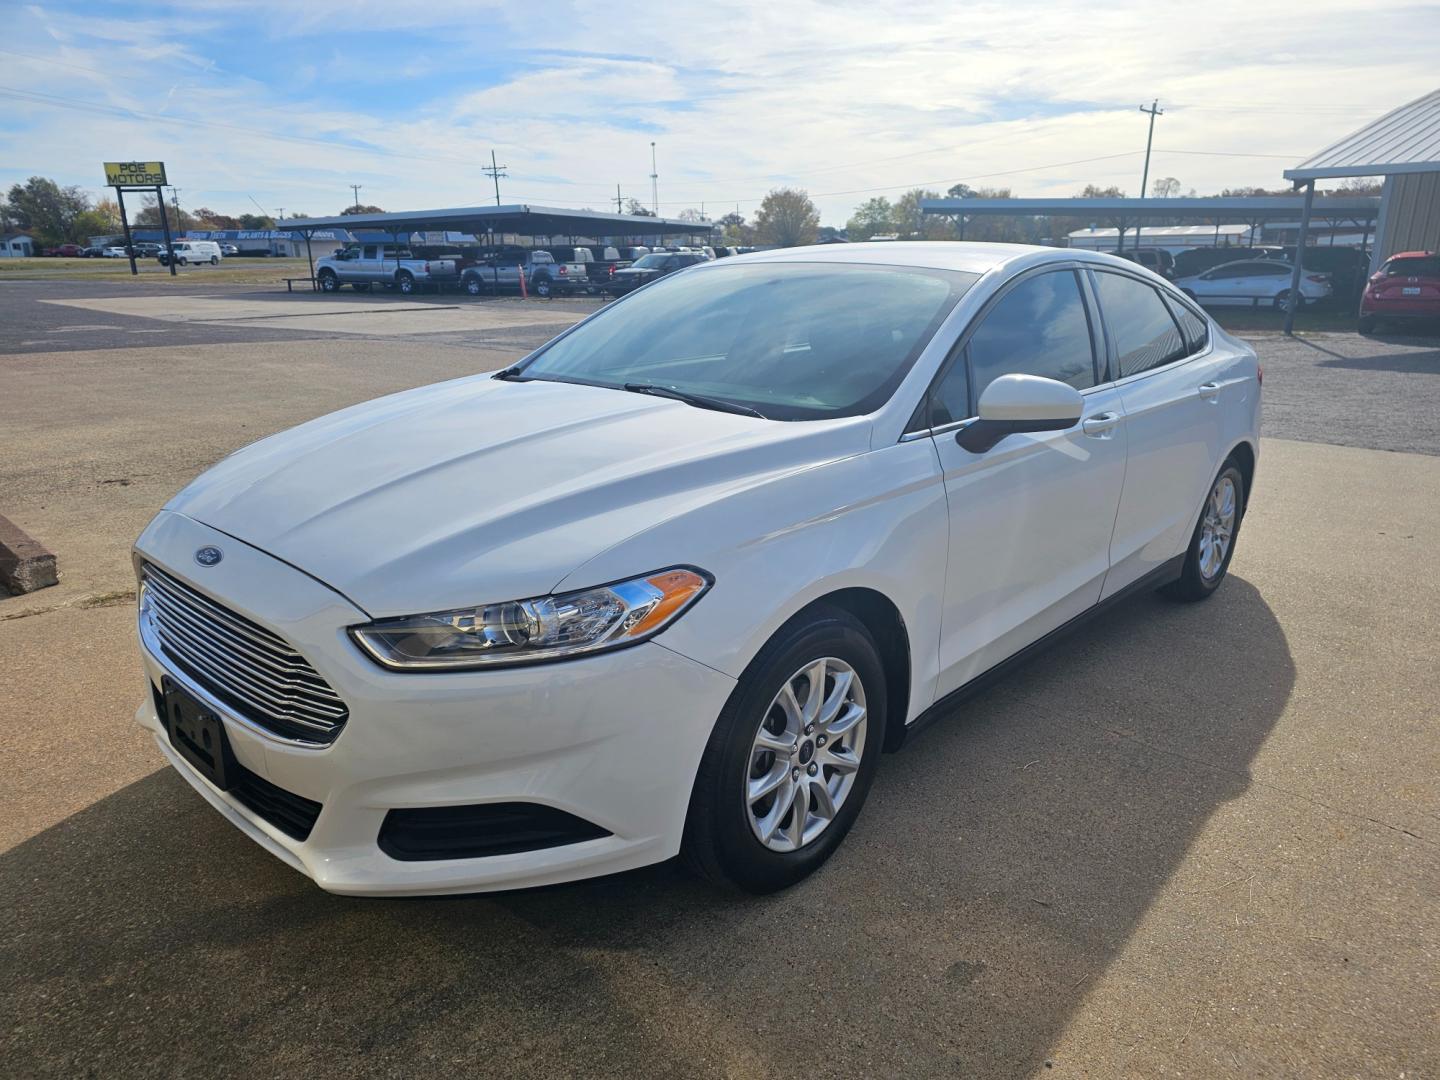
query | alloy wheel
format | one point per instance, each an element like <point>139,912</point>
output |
<point>1217,527</point>
<point>805,754</point>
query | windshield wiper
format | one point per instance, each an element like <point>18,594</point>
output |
<point>511,372</point>
<point>700,401</point>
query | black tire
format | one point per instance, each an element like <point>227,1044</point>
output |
<point>474,286</point>
<point>1366,325</point>
<point>719,843</point>
<point>542,288</point>
<point>1192,584</point>
<point>361,286</point>
<point>1283,297</point>
<point>182,261</point>
<point>328,281</point>
<point>405,282</point>
<point>214,260</point>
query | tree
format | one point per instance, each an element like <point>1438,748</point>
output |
<point>870,217</point>
<point>46,210</point>
<point>734,229</point>
<point>910,223</point>
<point>148,217</point>
<point>690,214</point>
<point>211,220</point>
<point>787,218</point>
<point>356,210</point>
<point>1164,187</point>
<point>635,208</point>
<point>256,221</point>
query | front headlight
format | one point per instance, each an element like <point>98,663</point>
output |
<point>528,631</point>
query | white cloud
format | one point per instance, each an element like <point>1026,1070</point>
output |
<point>835,97</point>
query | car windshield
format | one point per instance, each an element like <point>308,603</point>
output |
<point>649,262</point>
<point>793,341</point>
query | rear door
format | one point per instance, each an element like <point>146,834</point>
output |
<point>1172,391</point>
<point>1031,518</point>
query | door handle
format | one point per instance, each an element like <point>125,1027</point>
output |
<point>1209,390</point>
<point>1100,423</point>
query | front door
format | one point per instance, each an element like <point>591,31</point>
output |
<point>1030,519</point>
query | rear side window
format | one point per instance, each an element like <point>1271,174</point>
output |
<point>1038,328</point>
<point>1414,266</point>
<point>1140,324</point>
<point>1195,329</point>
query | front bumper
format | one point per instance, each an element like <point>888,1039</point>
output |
<point>614,739</point>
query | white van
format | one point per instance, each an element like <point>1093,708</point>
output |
<point>193,251</point>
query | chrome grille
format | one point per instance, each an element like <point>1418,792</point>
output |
<point>245,666</point>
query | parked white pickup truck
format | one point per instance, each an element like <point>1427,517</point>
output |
<point>544,275</point>
<point>363,265</point>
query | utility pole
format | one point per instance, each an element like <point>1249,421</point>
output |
<point>175,202</point>
<point>619,203</point>
<point>654,183</point>
<point>356,189</point>
<point>495,171</point>
<point>1154,111</point>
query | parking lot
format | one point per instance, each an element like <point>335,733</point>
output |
<point>1193,841</point>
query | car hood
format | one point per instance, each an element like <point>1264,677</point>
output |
<point>484,490</point>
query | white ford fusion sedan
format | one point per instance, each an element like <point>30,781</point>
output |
<point>674,582</point>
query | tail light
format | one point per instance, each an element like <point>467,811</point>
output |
<point>427,267</point>
<point>564,270</point>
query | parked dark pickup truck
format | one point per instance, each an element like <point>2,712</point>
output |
<point>655,265</point>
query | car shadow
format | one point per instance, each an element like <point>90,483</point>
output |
<point>1003,861</point>
<point>1426,362</point>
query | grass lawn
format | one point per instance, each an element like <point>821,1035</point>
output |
<point>238,271</point>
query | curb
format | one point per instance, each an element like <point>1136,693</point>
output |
<point>24,564</point>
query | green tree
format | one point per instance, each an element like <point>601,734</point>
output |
<point>356,210</point>
<point>148,217</point>
<point>910,223</point>
<point>734,229</point>
<point>211,220</point>
<point>870,217</point>
<point>787,218</point>
<point>46,210</point>
<point>256,221</point>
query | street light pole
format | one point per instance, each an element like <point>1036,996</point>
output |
<point>654,183</point>
<point>356,189</point>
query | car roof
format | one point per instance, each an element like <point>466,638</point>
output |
<point>973,257</point>
<point>1410,255</point>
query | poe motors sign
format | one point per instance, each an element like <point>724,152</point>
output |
<point>136,174</point>
<point>126,176</point>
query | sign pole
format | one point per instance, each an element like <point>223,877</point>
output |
<point>165,223</point>
<point>125,224</point>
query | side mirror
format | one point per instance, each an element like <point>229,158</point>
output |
<point>1018,403</point>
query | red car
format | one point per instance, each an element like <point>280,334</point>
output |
<point>65,250</point>
<point>1406,287</point>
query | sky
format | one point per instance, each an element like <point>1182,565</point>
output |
<point>286,103</point>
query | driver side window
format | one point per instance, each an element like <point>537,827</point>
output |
<point>1040,327</point>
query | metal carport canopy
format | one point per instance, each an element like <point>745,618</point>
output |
<point>1259,208</point>
<point>523,219</point>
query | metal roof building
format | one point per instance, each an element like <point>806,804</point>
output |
<point>1403,146</point>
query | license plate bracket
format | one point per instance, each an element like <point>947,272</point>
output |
<point>198,734</point>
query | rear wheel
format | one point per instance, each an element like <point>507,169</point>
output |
<point>792,757</point>
<point>474,286</point>
<point>1283,297</point>
<point>214,260</point>
<point>1213,542</point>
<point>405,282</point>
<point>542,287</point>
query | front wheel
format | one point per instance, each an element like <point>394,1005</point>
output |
<point>181,260</point>
<point>328,281</point>
<point>791,758</point>
<point>1213,542</point>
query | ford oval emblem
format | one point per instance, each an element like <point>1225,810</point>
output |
<point>209,556</point>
